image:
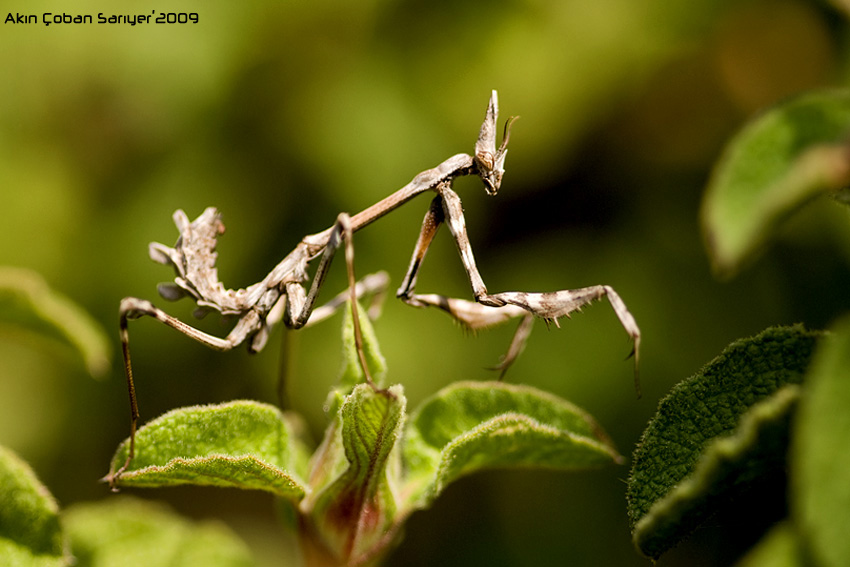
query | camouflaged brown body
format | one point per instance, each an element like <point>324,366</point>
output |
<point>281,295</point>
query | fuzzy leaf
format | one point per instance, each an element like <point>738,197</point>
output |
<point>471,426</point>
<point>352,371</point>
<point>729,465</point>
<point>355,513</point>
<point>30,533</point>
<point>715,432</point>
<point>821,459</point>
<point>239,444</point>
<point>135,533</point>
<point>329,459</point>
<point>27,302</point>
<point>778,162</point>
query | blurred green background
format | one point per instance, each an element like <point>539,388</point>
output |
<point>282,114</point>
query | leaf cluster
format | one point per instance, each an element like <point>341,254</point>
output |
<point>376,465</point>
<point>773,405</point>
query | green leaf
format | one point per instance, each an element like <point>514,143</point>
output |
<point>134,533</point>
<point>715,432</point>
<point>352,371</point>
<point>821,460</point>
<point>728,466</point>
<point>329,460</point>
<point>30,532</point>
<point>779,548</point>
<point>355,514</point>
<point>777,163</point>
<point>27,302</point>
<point>471,426</point>
<point>240,444</point>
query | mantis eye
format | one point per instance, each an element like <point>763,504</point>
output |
<point>486,169</point>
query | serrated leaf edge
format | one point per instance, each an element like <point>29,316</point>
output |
<point>179,465</point>
<point>721,450</point>
<point>503,424</point>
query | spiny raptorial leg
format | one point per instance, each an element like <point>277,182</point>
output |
<point>281,296</point>
<point>492,309</point>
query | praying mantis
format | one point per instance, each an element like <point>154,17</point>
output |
<point>281,296</point>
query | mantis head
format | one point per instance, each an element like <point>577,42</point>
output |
<point>489,160</point>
